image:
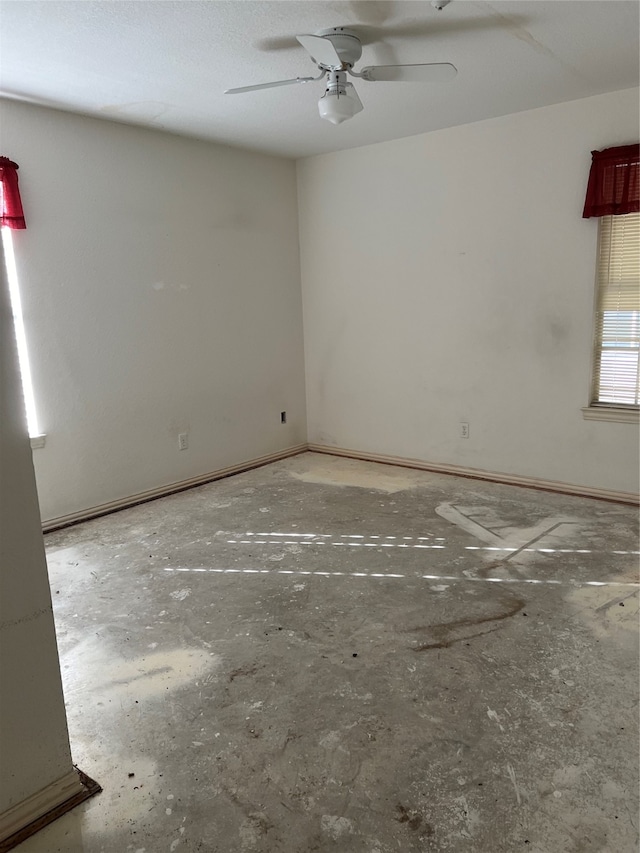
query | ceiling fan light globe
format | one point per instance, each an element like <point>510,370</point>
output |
<point>331,110</point>
<point>336,107</point>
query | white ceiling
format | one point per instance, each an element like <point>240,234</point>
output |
<point>166,64</point>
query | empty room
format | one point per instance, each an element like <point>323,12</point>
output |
<point>319,435</point>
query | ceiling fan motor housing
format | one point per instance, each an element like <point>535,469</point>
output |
<point>346,44</point>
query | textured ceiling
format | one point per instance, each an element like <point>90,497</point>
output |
<point>166,64</point>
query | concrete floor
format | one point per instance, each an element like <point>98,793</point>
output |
<point>331,655</point>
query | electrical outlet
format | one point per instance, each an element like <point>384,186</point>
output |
<point>183,441</point>
<point>464,430</point>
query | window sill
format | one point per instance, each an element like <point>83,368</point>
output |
<point>37,441</point>
<point>610,413</point>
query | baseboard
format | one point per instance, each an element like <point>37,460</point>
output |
<point>172,488</point>
<point>479,474</point>
<point>29,816</point>
<point>456,470</point>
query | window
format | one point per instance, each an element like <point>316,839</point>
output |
<point>12,218</point>
<point>616,377</point>
<point>21,339</point>
<point>613,195</point>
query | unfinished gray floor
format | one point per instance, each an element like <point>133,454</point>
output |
<point>331,655</point>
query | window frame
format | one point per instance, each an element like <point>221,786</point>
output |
<point>598,409</point>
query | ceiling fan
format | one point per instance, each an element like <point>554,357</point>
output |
<point>335,51</point>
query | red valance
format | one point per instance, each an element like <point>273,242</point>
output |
<point>614,182</point>
<point>11,215</point>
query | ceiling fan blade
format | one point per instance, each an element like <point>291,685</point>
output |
<point>321,50</point>
<point>433,72</point>
<point>241,89</point>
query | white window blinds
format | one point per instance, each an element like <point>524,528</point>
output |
<point>617,336</point>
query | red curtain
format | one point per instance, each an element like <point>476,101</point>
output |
<point>614,182</point>
<point>11,214</point>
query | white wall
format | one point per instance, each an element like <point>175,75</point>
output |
<point>160,280</point>
<point>446,277</point>
<point>34,744</point>
<point>449,277</point>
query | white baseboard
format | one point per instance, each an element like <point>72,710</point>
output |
<point>479,474</point>
<point>38,804</point>
<point>162,491</point>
